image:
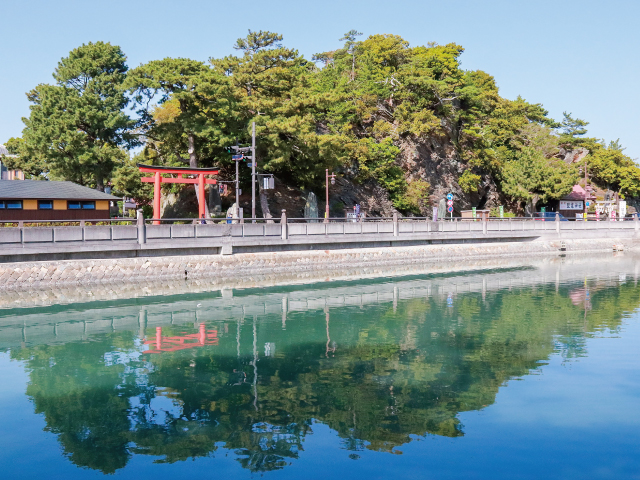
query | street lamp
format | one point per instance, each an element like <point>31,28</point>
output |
<point>333,182</point>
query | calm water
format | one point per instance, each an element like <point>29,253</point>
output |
<point>529,372</point>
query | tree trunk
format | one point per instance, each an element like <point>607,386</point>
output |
<point>530,208</point>
<point>193,159</point>
<point>264,204</point>
<point>100,184</point>
<point>193,163</point>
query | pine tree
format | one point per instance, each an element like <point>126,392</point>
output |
<point>77,127</point>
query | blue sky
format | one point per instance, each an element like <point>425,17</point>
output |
<point>575,56</point>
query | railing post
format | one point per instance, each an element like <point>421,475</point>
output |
<point>636,223</point>
<point>484,224</point>
<point>283,225</point>
<point>557,222</point>
<point>142,228</point>
<point>395,224</point>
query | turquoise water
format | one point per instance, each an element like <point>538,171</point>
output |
<point>512,373</point>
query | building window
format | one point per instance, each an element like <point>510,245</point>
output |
<point>3,204</point>
<point>75,205</point>
<point>13,204</point>
<point>45,204</point>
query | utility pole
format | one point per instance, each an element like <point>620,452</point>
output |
<point>253,171</point>
<point>238,154</point>
<point>237,189</point>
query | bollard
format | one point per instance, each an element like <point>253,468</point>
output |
<point>142,227</point>
<point>395,224</point>
<point>484,224</point>
<point>636,223</point>
<point>557,222</point>
<point>283,225</point>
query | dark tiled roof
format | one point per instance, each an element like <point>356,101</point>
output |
<point>49,190</point>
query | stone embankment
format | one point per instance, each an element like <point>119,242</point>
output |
<point>47,274</point>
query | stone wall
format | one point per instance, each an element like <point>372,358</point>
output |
<point>45,274</point>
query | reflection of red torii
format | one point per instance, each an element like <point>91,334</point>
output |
<point>157,180</point>
<point>184,342</point>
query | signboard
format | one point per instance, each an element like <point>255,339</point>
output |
<point>613,215</point>
<point>622,208</point>
<point>588,203</point>
<point>237,157</point>
<point>543,210</point>
<point>473,212</point>
<point>449,196</point>
<point>450,203</point>
<point>597,216</point>
<point>268,183</point>
<point>435,213</point>
<point>501,208</point>
<point>450,209</point>
<point>571,205</point>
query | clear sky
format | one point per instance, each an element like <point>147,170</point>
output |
<point>579,56</point>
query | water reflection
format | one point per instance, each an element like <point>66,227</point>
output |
<point>379,362</point>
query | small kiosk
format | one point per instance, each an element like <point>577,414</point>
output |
<point>480,215</point>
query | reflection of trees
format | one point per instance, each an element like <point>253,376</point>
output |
<point>393,376</point>
<point>80,397</point>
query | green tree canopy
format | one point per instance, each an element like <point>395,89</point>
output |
<point>272,85</point>
<point>531,177</point>
<point>77,127</point>
<point>194,115</point>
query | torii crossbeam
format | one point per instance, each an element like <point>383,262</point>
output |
<point>157,180</point>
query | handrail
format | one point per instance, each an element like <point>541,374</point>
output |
<point>79,222</point>
<point>277,220</point>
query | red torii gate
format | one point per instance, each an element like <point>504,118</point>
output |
<point>157,180</point>
<point>182,342</point>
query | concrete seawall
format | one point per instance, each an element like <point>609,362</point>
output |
<point>32,276</point>
<point>35,318</point>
